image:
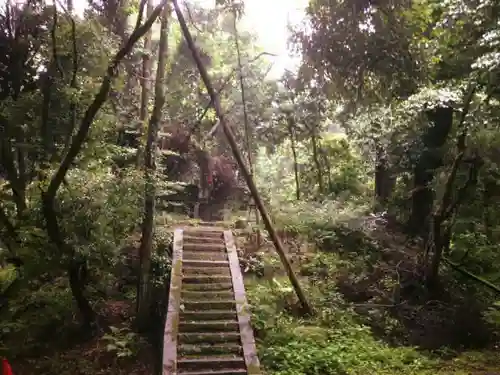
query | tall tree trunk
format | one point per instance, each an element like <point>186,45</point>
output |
<point>384,182</point>
<point>444,217</point>
<point>291,133</point>
<point>17,182</point>
<point>434,139</point>
<point>143,292</point>
<point>317,163</point>
<point>248,137</point>
<point>145,85</point>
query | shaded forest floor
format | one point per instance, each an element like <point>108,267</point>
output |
<point>60,347</point>
<point>42,334</point>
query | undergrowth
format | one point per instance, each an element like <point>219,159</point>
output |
<point>372,314</point>
<point>332,342</point>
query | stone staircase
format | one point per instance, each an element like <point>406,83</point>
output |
<point>207,331</point>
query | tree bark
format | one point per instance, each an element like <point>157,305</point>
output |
<point>317,163</point>
<point>145,85</point>
<point>443,220</point>
<point>143,293</point>
<point>441,120</point>
<point>384,182</point>
<point>291,133</point>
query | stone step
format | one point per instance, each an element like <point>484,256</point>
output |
<point>216,372</point>
<point>206,279</point>
<point>206,294</point>
<point>205,271</point>
<point>201,349</point>
<point>209,326</point>
<point>221,286</point>
<point>191,232</point>
<point>209,305</point>
<point>204,256</point>
<point>189,315</point>
<point>204,247</point>
<point>199,263</point>
<point>209,337</point>
<point>202,239</point>
<point>211,363</point>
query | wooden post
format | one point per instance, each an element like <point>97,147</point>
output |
<point>241,163</point>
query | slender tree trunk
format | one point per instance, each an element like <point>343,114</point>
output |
<point>145,251</point>
<point>245,116</point>
<point>13,175</point>
<point>317,163</point>
<point>291,133</point>
<point>384,182</point>
<point>145,85</point>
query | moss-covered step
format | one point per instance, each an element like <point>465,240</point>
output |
<point>209,326</point>
<point>209,305</point>
<point>204,247</point>
<point>213,279</point>
<point>205,271</point>
<point>208,337</point>
<point>222,286</point>
<point>205,255</point>
<point>210,363</point>
<point>205,315</point>
<point>188,350</point>
<point>200,238</point>
<point>199,263</point>
<point>207,294</point>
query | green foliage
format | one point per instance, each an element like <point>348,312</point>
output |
<point>121,341</point>
<point>24,329</point>
<point>332,342</point>
<point>7,276</point>
<point>346,175</point>
<point>161,261</point>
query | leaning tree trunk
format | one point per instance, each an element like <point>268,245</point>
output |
<point>433,140</point>
<point>143,292</point>
<point>241,163</point>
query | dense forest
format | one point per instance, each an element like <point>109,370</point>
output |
<point>375,160</point>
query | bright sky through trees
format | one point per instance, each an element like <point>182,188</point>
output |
<point>269,20</point>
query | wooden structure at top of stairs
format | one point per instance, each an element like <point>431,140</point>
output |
<point>207,331</point>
